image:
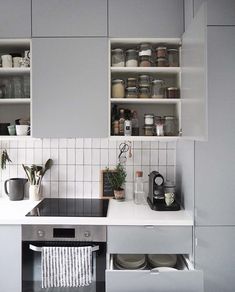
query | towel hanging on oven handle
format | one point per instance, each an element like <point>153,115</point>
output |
<point>39,248</point>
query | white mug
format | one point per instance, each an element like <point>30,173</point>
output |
<point>169,198</point>
<point>17,61</point>
<point>22,130</point>
<point>6,61</point>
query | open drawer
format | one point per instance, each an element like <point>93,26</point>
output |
<point>184,279</point>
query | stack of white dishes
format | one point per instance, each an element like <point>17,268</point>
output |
<point>162,260</point>
<point>130,261</point>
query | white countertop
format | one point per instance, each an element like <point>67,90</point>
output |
<point>119,213</point>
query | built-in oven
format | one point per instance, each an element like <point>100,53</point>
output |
<point>34,237</point>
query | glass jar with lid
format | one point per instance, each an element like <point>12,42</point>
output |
<point>161,52</point>
<point>144,92</point>
<point>172,92</point>
<point>170,126</point>
<point>145,61</point>
<point>173,57</point>
<point>149,119</point>
<point>158,88</point>
<point>148,130</point>
<point>131,82</point>
<point>131,58</point>
<point>145,49</point>
<point>144,81</point>
<point>131,92</point>
<point>118,88</point>
<point>117,58</point>
<point>162,62</point>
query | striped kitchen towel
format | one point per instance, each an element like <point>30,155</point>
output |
<point>66,266</point>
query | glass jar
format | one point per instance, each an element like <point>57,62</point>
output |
<point>159,123</point>
<point>173,57</point>
<point>145,49</point>
<point>148,130</point>
<point>131,92</point>
<point>161,52</point>
<point>172,92</point>
<point>117,58</point>
<point>118,88</point>
<point>131,82</point>
<point>145,61</point>
<point>17,87</point>
<point>149,119</point>
<point>158,88</point>
<point>170,126</point>
<point>144,81</point>
<point>131,58</point>
<point>162,62</point>
<point>144,92</point>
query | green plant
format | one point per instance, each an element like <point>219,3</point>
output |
<point>35,173</point>
<point>4,159</point>
<point>117,177</point>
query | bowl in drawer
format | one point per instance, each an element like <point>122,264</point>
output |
<point>164,269</point>
<point>162,260</point>
<point>131,261</point>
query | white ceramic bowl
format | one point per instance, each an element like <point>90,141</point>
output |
<point>130,261</point>
<point>162,260</point>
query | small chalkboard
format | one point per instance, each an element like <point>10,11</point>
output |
<point>106,190</point>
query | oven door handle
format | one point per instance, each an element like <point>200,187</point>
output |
<point>39,248</point>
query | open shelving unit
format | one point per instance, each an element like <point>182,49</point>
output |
<point>159,107</point>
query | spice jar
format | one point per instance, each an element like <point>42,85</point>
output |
<point>131,92</point>
<point>144,92</point>
<point>117,58</point>
<point>162,62</point>
<point>173,57</point>
<point>172,92</point>
<point>115,127</point>
<point>159,124</point>
<point>148,119</point>
<point>145,49</point>
<point>148,130</point>
<point>131,82</point>
<point>170,126</point>
<point>145,61</point>
<point>131,58</point>
<point>158,88</point>
<point>121,121</point>
<point>118,88</point>
<point>161,52</point>
<point>144,81</point>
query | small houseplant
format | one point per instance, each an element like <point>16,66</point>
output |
<point>4,159</point>
<point>35,174</point>
<point>117,179</point>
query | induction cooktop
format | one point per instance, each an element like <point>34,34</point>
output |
<point>70,208</point>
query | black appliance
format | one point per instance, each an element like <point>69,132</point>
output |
<point>156,195</point>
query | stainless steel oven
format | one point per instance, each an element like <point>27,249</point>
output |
<point>36,236</point>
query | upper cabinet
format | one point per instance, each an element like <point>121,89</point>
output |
<point>221,12</point>
<point>69,18</point>
<point>15,19</point>
<point>70,87</point>
<point>145,18</point>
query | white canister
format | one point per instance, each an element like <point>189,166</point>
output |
<point>35,193</point>
<point>6,61</point>
<point>148,119</point>
<point>17,61</point>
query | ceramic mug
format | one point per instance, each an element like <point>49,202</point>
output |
<point>169,198</point>
<point>6,61</point>
<point>22,130</point>
<point>11,130</point>
<point>17,61</point>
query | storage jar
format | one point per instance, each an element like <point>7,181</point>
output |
<point>172,92</point>
<point>161,52</point>
<point>173,57</point>
<point>162,62</point>
<point>148,130</point>
<point>117,58</point>
<point>145,49</point>
<point>144,81</point>
<point>159,124</point>
<point>170,126</point>
<point>144,92</point>
<point>131,82</point>
<point>148,119</point>
<point>158,88</point>
<point>145,61</point>
<point>131,58</point>
<point>131,92</point>
<point>118,88</point>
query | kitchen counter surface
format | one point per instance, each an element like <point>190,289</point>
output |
<point>119,213</point>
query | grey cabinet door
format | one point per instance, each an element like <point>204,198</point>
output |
<point>10,258</point>
<point>70,87</point>
<point>146,18</point>
<point>57,18</point>
<point>15,19</point>
<point>214,254</point>
<point>215,159</point>
<point>221,12</point>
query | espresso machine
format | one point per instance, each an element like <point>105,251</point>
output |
<point>156,195</point>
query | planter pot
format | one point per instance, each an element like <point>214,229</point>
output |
<point>35,193</point>
<point>119,194</point>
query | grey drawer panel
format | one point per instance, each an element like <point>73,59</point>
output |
<point>150,239</point>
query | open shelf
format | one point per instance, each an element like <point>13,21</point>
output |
<point>14,71</point>
<point>146,100</point>
<point>165,70</point>
<point>145,138</point>
<point>15,100</point>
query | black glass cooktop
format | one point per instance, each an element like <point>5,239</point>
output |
<point>71,208</point>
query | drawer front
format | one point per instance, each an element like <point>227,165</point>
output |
<point>150,239</point>
<point>139,281</point>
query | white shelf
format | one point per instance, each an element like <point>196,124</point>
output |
<point>14,71</point>
<point>15,101</point>
<point>12,138</point>
<point>153,41</point>
<point>145,138</point>
<point>163,70</point>
<point>146,100</point>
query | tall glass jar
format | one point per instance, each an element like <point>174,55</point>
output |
<point>158,88</point>
<point>170,126</point>
<point>144,92</point>
<point>118,88</point>
<point>144,81</point>
<point>145,61</point>
<point>131,92</point>
<point>145,49</point>
<point>117,58</point>
<point>131,58</point>
<point>173,57</point>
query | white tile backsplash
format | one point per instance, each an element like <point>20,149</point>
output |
<point>78,162</point>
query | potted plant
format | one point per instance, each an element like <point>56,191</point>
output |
<point>117,178</point>
<point>35,174</point>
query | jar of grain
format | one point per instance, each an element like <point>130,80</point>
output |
<point>144,92</point>
<point>161,52</point>
<point>145,61</point>
<point>173,57</point>
<point>131,82</point>
<point>170,126</point>
<point>131,58</point>
<point>162,62</point>
<point>117,58</point>
<point>131,92</point>
<point>148,130</point>
<point>172,92</point>
<point>158,88</point>
<point>145,49</point>
<point>118,88</point>
<point>144,81</point>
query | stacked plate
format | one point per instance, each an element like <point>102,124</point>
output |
<point>130,261</point>
<point>162,260</point>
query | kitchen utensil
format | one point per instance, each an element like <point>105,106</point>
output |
<point>162,260</point>
<point>16,188</point>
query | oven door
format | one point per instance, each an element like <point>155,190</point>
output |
<point>31,267</point>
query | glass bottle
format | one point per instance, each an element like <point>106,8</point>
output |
<point>135,124</point>
<point>121,121</point>
<point>139,194</point>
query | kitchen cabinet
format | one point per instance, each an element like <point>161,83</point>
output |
<point>221,12</point>
<point>10,255</point>
<point>215,159</point>
<point>15,19</point>
<point>70,87</point>
<point>69,18</point>
<point>188,12</point>
<point>149,18</point>
<point>214,254</point>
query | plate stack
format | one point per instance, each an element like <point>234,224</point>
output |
<point>130,261</point>
<point>162,260</point>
